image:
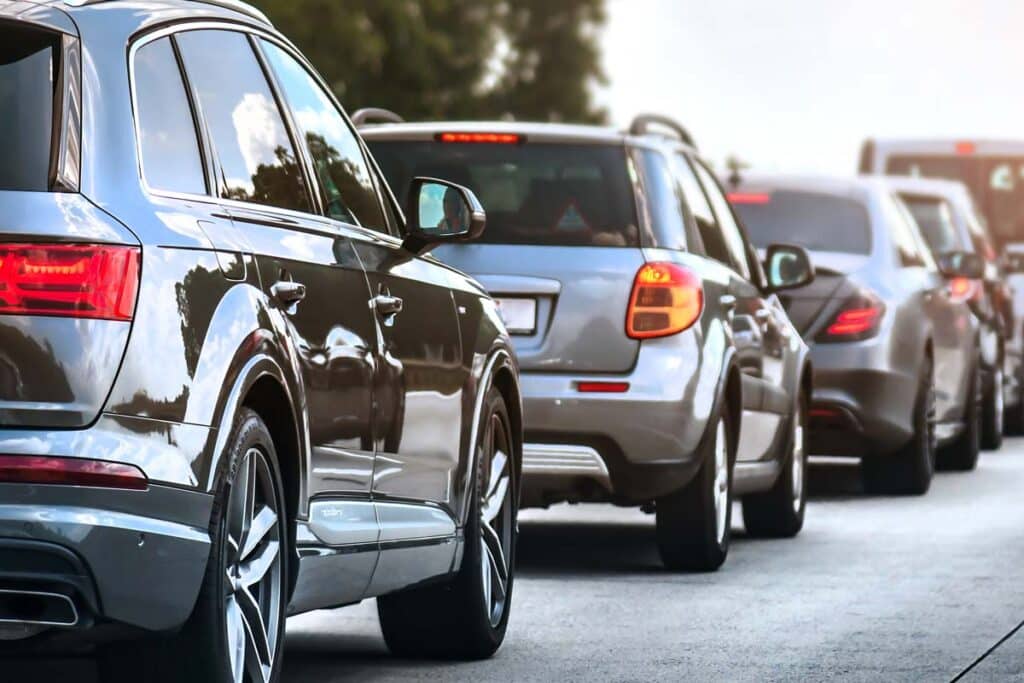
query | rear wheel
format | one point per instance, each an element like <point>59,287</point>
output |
<point>236,631</point>
<point>910,469</point>
<point>693,524</point>
<point>962,454</point>
<point>992,412</point>
<point>779,512</point>
<point>466,617</point>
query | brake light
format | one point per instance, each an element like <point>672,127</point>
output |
<point>962,289</point>
<point>965,148</point>
<point>73,280</point>
<point>859,319</point>
<point>481,138</point>
<point>749,198</point>
<point>666,299</point>
<point>34,469</point>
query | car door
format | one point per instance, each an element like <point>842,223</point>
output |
<point>315,285</point>
<point>418,375</point>
<point>758,329</point>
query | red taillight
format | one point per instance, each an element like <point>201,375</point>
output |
<point>74,280</point>
<point>666,299</point>
<point>962,289</point>
<point>965,148</point>
<point>35,469</point>
<point>859,319</point>
<point>602,387</point>
<point>749,198</point>
<point>481,138</point>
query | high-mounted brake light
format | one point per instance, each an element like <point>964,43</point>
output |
<point>667,299</point>
<point>749,198</point>
<point>71,280</point>
<point>859,319</point>
<point>481,138</point>
<point>35,469</point>
<point>965,148</point>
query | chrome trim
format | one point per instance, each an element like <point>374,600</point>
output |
<point>46,596</point>
<point>338,522</point>
<point>564,460</point>
<point>344,522</point>
<point>406,522</point>
<point>233,5</point>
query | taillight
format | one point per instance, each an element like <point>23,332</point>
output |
<point>38,469</point>
<point>962,289</point>
<point>859,318</point>
<point>73,280</point>
<point>666,299</point>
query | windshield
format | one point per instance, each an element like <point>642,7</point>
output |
<point>544,194</point>
<point>996,183</point>
<point>26,107</point>
<point>815,221</point>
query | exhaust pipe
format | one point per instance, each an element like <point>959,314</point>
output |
<point>37,608</point>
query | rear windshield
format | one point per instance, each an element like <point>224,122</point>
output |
<point>543,194</point>
<point>815,221</point>
<point>935,219</point>
<point>27,60</point>
<point>996,184</point>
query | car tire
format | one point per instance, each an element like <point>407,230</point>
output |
<point>466,617</point>
<point>239,616</point>
<point>908,471</point>
<point>962,454</point>
<point>694,523</point>
<point>779,512</point>
<point>993,413</point>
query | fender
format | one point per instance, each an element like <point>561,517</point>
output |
<point>728,366</point>
<point>499,357</point>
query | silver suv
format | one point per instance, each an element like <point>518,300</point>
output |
<point>658,366</point>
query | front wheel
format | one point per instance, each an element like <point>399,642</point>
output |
<point>466,617</point>
<point>693,524</point>
<point>779,512</point>
<point>992,413</point>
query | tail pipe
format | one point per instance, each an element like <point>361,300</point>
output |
<point>37,608</point>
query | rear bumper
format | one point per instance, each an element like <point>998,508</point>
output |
<point>627,447</point>
<point>860,405</point>
<point>136,558</point>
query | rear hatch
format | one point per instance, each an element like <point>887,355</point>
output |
<point>68,272</point>
<point>561,247</point>
<point>835,230</point>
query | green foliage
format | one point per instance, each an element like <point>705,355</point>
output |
<point>453,59</point>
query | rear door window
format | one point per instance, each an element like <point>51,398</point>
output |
<point>731,231</point>
<point>168,143</point>
<point>534,193</point>
<point>256,157</point>
<point>28,68</point>
<point>664,205</point>
<point>934,217</point>
<point>710,233</point>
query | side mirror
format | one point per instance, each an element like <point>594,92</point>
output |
<point>441,212</point>
<point>787,267</point>
<point>961,264</point>
<point>1013,262</point>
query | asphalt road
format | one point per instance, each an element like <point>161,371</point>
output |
<point>874,589</point>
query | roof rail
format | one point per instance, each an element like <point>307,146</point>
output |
<point>234,5</point>
<point>370,114</point>
<point>643,123</point>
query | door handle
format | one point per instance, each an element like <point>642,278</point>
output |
<point>385,304</point>
<point>288,292</point>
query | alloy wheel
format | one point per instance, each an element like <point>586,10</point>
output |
<point>798,464</point>
<point>253,571</point>
<point>721,492</point>
<point>1000,403</point>
<point>496,519</point>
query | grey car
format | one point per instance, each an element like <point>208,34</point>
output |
<point>658,367</point>
<point>896,356</point>
<point>234,385</point>
<point>948,221</point>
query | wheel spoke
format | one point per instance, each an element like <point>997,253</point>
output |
<point>236,639</point>
<point>258,659</point>
<point>499,461</point>
<point>262,525</point>
<point>493,505</point>
<point>497,554</point>
<point>256,569</point>
<point>495,570</point>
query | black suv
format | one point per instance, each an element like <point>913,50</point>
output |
<point>232,386</point>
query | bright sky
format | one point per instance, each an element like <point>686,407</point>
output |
<point>796,85</point>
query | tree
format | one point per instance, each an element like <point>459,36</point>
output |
<point>453,59</point>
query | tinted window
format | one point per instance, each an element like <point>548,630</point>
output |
<point>815,221</point>
<point>27,60</point>
<point>935,221</point>
<point>663,204</point>
<point>910,248</point>
<point>341,168</point>
<point>730,230</point>
<point>256,156</point>
<point>540,193</point>
<point>168,143</point>
<point>710,234</point>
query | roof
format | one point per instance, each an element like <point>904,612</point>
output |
<point>544,132</point>
<point>952,190</point>
<point>132,16</point>
<point>947,146</point>
<point>843,186</point>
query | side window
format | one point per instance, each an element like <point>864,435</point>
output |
<point>731,231</point>
<point>697,201</point>
<point>168,144</point>
<point>910,248</point>
<point>341,167</point>
<point>256,157</point>
<point>669,224</point>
